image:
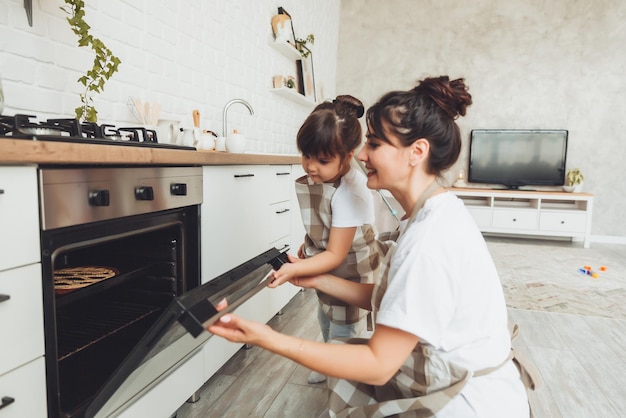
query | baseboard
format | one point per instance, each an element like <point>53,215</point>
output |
<point>608,239</point>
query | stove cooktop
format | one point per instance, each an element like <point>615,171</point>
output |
<point>71,130</point>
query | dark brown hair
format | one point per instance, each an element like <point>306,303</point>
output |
<point>428,111</point>
<point>332,128</point>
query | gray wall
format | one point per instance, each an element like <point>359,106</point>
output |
<point>529,64</point>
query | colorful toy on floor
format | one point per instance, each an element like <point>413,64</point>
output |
<point>588,271</point>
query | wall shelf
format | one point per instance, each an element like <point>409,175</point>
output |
<point>288,50</point>
<point>293,95</point>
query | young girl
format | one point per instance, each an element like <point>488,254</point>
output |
<point>337,213</point>
<point>441,346</point>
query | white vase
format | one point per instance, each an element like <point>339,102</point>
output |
<point>568,189</point>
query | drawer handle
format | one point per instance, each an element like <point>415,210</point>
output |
<point>562,222</point>
<point>278,212</point>
<point>514,219</point>
<point>243,175</point>
<point>6,401</point>
<point>1,191</point>
<point>4,298</point>
<point>282,174</point>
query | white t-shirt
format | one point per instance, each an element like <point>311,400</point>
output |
<point>443,287</point>
<point>352,203</point>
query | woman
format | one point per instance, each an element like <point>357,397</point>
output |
<point>441,345</point>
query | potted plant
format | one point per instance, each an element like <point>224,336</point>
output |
<point>573,180</point>
<point>301,45</point>
<point>104,64</point>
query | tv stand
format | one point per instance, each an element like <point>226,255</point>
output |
<point>530,213</point>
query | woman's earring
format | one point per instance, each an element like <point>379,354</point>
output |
<point>412,163</point>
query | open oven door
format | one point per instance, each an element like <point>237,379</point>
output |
<point>179,333</point>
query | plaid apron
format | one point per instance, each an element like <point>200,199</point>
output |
<point>362,260</point>
<point>417,389</point>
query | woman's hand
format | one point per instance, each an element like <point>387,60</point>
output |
<point>238,330</point>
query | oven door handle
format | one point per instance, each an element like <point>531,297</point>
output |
<point>203,314</point>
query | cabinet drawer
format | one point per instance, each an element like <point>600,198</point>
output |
<point>482,216</point>
<point>280,220</point>
<point>515,219</point>
<point>19,217</point>
<point>26,386</point>
<point>280,183</point>
<point>562,221</point>
<point>21,317</point>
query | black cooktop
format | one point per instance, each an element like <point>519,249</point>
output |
<point>22,126</point>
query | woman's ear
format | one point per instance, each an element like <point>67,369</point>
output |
<point>420,148</point>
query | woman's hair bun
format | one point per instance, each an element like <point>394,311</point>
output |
<point>450,95</point>
<point>348,106</point>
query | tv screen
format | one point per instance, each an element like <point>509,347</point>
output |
<point>517,157</point>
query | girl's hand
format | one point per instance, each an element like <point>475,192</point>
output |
<point>301,251</point>
<point>286,272</point>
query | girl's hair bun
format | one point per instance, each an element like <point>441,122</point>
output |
<point>450,95</point>
<point>348,106</point>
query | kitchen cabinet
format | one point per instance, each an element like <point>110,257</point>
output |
<point>516,212</point>
<point>234,216</point>
<point>246,210</point>
<point>22,369</point>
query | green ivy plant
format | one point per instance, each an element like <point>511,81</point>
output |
<point>105,64</point>
<point>301,45</point>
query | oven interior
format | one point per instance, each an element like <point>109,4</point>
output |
<point>94,328</point>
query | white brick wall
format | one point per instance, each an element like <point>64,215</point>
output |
<point>186,54</point>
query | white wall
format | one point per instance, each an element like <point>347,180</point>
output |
<point>185,54</point>
<point>529,64</point>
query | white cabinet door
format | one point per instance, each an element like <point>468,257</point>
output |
<point>518,219</point>
<point>563,221</point>
<point>234,217</point>
<point>21,317</point>
<point>23,391</point>
<point>19,217</point>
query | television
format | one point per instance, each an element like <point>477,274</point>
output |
<point>518,157</point>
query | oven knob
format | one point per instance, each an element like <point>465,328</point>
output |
<point>99,198</point>
<point>144,193</point>
<point>178,189</point>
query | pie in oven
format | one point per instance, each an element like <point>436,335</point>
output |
<point>72,278</point>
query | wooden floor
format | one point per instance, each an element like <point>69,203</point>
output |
<point>581,359</point>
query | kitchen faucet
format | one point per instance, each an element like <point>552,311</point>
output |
<point>229,104</point>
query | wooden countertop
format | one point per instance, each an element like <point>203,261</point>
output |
<point>21,151</point>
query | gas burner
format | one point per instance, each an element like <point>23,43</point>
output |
<point>21,126</point>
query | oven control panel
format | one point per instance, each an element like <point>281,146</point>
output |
<point>75,196</point>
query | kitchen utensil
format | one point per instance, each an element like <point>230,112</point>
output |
<point>147,113</point>
<point>220,143</point>
<point>196,118</point>
<point>1,97</point>
<point>235,142</point>
<point>168,131</point>
<point>136,108</point>
<point>139,110</point>
<point>188,137</point>
<point>207,142</point>
<point>156,113</point>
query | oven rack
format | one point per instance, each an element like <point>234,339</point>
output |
<point>103,320</point>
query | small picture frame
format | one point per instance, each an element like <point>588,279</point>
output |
<point>308,75</point>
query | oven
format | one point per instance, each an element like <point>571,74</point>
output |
<point>123,305</point>
<point>118,245</point>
